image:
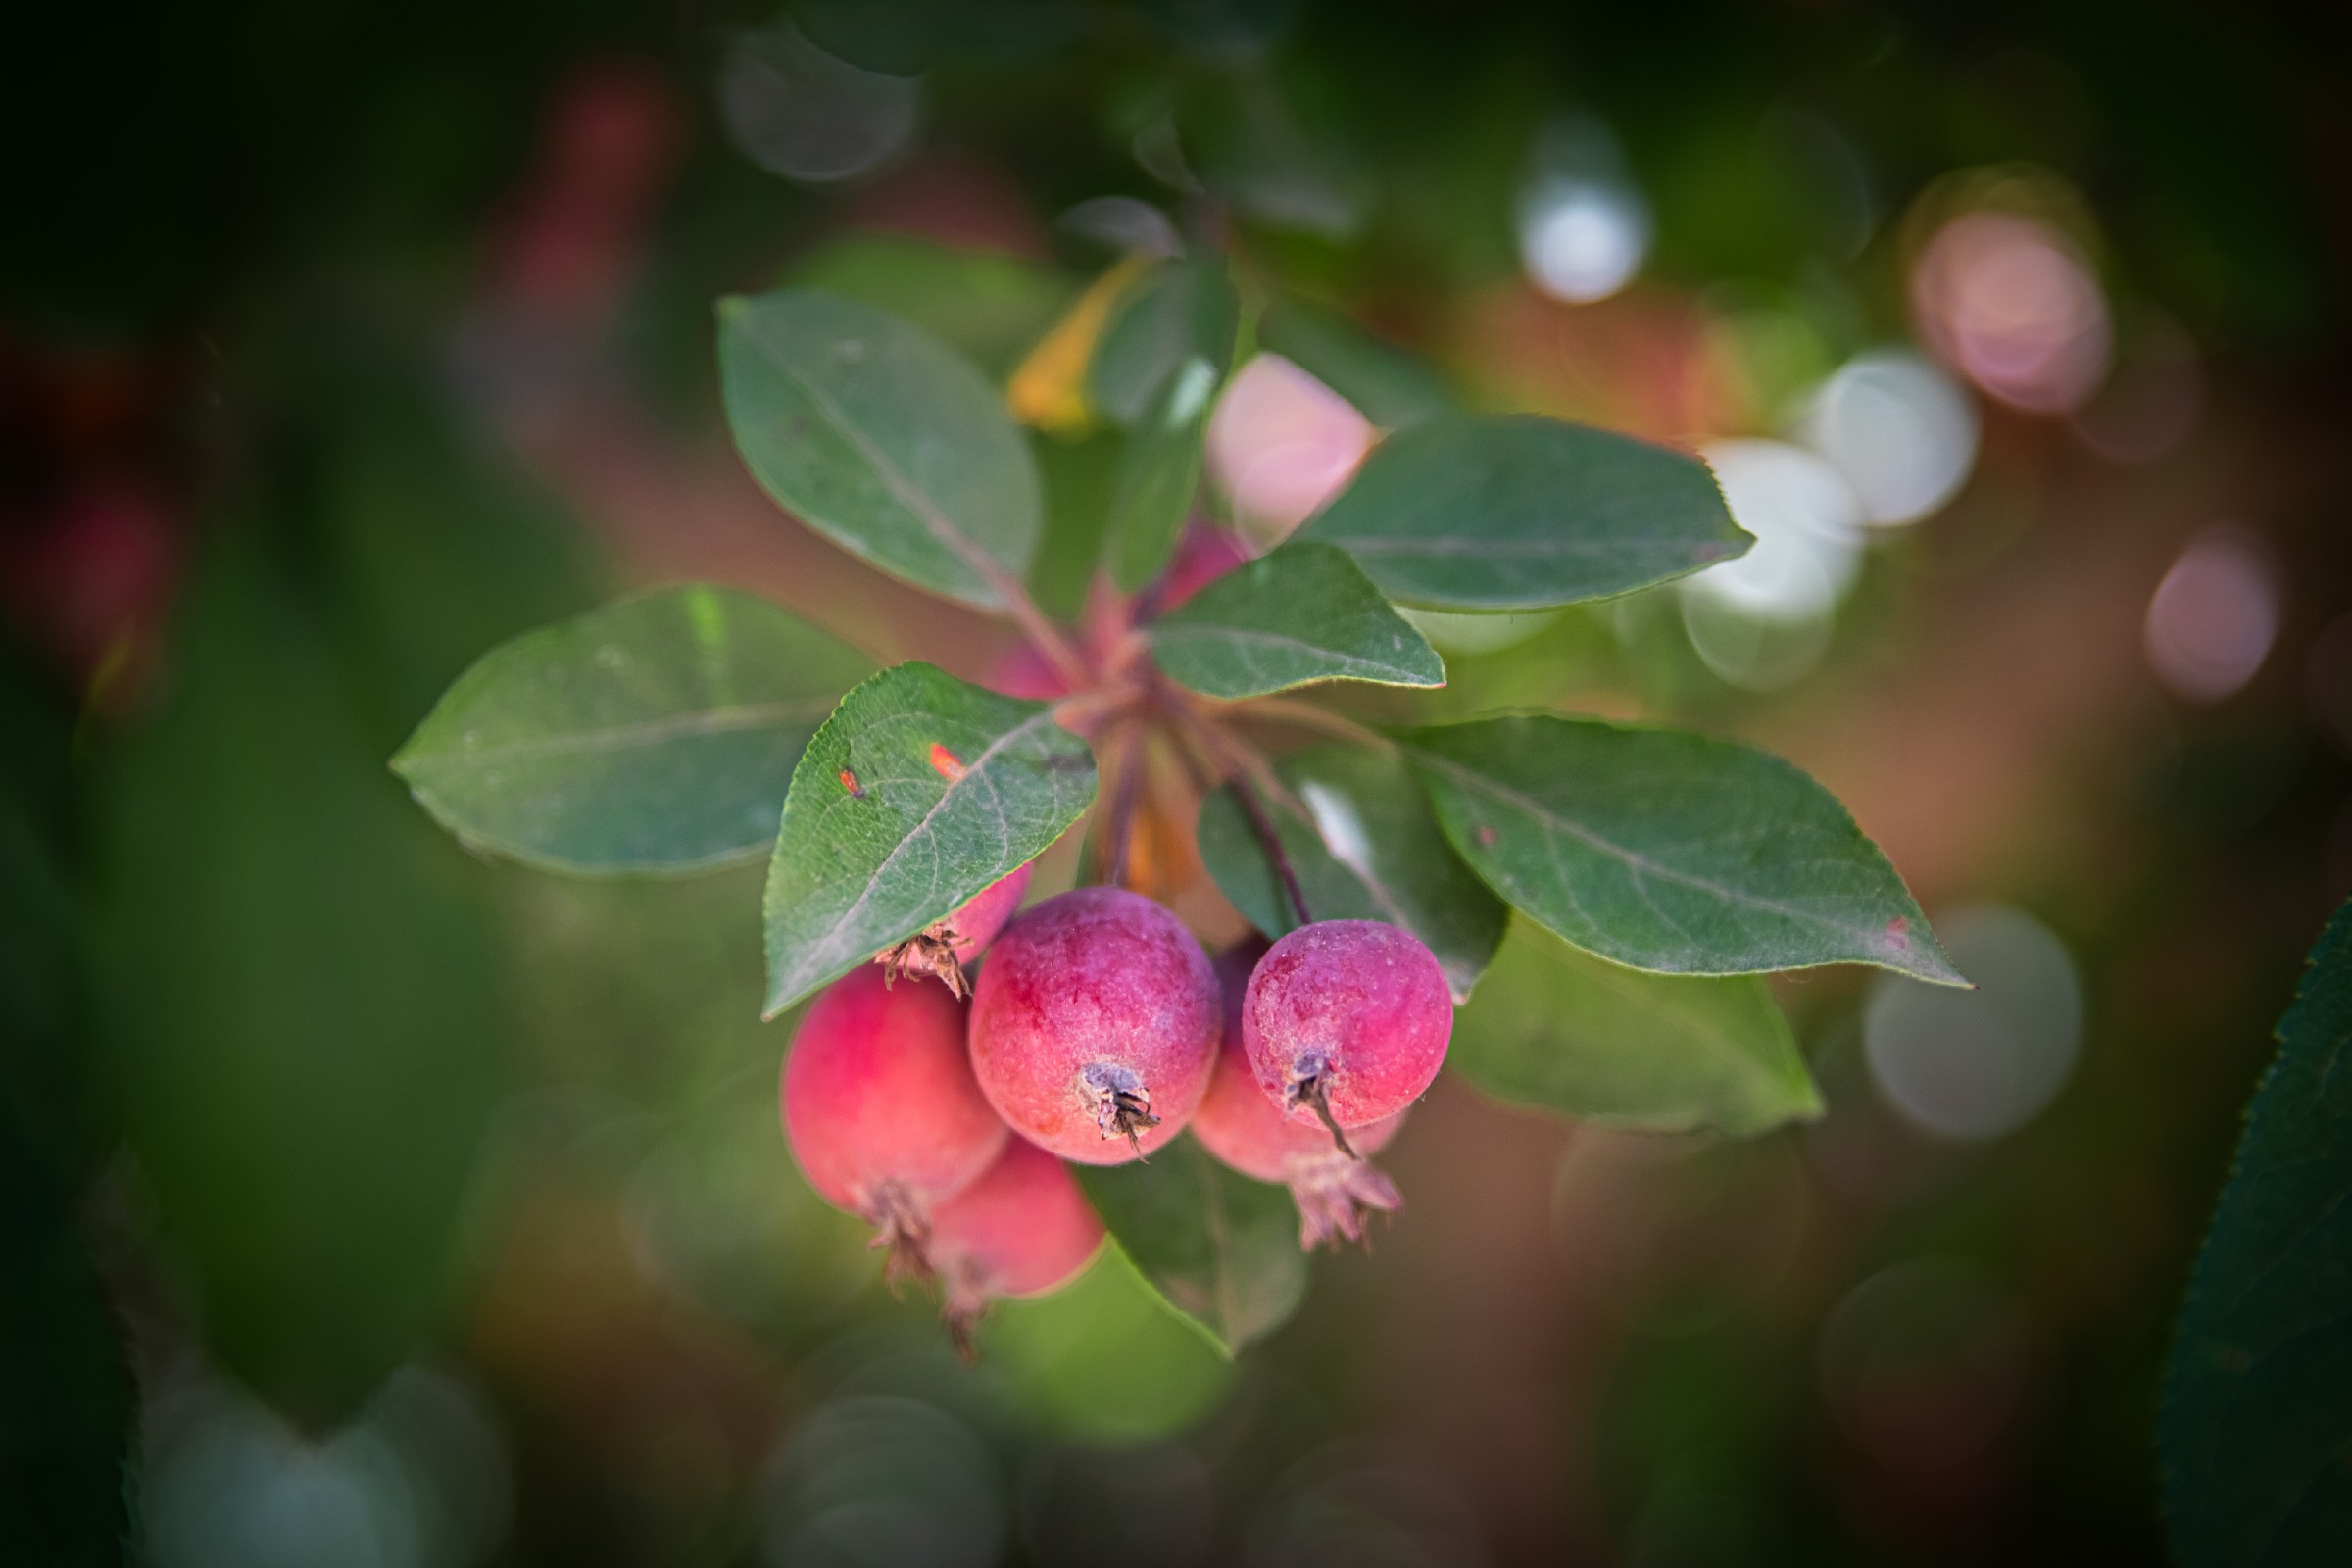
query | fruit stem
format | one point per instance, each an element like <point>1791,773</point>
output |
<point>1234,761</point>
<point>1119,823</point>
<point>1270,841</point>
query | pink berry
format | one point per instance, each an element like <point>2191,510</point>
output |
<point>1022,1229</point>
<point>1241,1125</point>
<point>1345,1022</point>
<point>881,1108</point>
<point>1095,1025</point>
<point>984,913</point>
<point>945,947</point>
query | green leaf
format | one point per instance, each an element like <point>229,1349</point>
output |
<point>656,734</point>
<point>984,304</point>
<point>1523,513</point>
<point>1301,614</point>
<point>1158,473</point>
<point>917,793</point>
<point>2256,1431</point>
<point>1176,311</point>
<point>1558,1028</point>
<point>1388,386</point>
<point>882,439</point>
<point>300,1003</point>
<point>1371,851</point>
<point>1080,476</point>
<point>1220,1248</point>
<point>1669,851</point>
<point>1108,1328</point>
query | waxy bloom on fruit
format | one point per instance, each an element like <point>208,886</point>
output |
<point>1022,1229</point>
<point>1095,1025</point>
<point>1242,1126</point>
<point>946,946</point>
<point>1345,1022</point>
<point>881,1108</point>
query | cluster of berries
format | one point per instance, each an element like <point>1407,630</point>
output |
<point>1098,1031</point>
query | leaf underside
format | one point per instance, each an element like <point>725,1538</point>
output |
<point>1518,511</point>
<point>917,793</point>
<point>1557,1028</point>
<point>1668,851</point>
<point>882,439</point>
<point>1220,1248</point>
<point>656,734</point>
<point>1301,614</point>
<point>2256,1429</point>
<point>1368,850</point>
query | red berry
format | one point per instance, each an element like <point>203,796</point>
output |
<point>881,1109</point>
<point>945,947</point>
<point>1345,1022</point>
<point>1095,1025</point>
<point>1022,1229</point>
<point>1241,1125</point>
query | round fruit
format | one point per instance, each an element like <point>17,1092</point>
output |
<point>946,947</point>
<point>1095,1025</point>
<point>1243,1127</point>
<point>881,1108</point>
<point>1345,1022</point>
<point>1022,1229</point>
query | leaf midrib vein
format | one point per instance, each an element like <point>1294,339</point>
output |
<point>645,733</point>
<point>1634,859</point>
<point>1277,642</point>
<point>909,495</point>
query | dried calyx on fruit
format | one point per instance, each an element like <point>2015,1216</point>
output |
<point>1022,1229</point>
<point>946,948</point>
<point>1344,1023</point>
<point>1245,1129</point>
<point>1095,1025</point>
<point>882,1112</point>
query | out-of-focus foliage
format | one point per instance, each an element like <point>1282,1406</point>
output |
<point>2257,1439</point>
<point>300,1000</point>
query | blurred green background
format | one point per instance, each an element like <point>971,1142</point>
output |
<point>369,1203</point>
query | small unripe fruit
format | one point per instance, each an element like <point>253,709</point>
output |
<point>1022,1229</point>
<point>1243,1127</point>
<point>1345,1022</point>
<point>948,947</point>
<point>881,1108</point>
<point>1095,1025</point>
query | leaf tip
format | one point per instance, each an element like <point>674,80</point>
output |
<point>1908,949</point>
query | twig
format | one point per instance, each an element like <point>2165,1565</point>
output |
<point>1307,716</point>
<point>1120,824</point>
<point>1043,634</point>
